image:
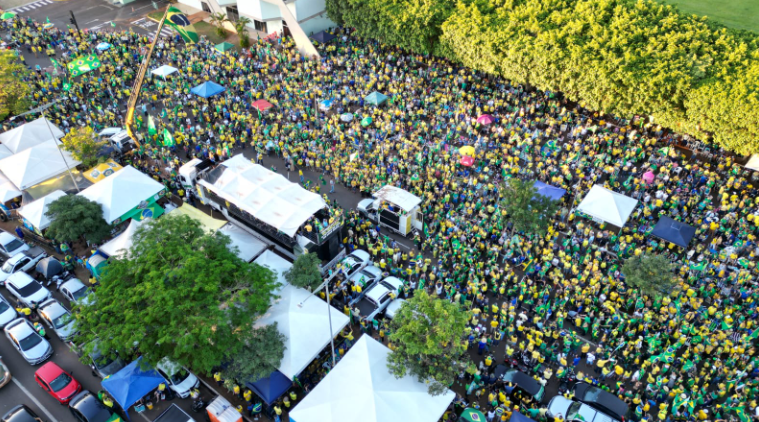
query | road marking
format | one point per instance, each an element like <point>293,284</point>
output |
<point>91,21</point>
<point>34,399</point>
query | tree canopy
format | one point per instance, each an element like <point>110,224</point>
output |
<point>74,217</point>
<point>179,293</point>
<point>305,271</point>
<point>529,212</point>
<point>14,92</point>
<point>651,274</point>
<point>426,341</point>
<point>259,357</point>
<point>83,145</point>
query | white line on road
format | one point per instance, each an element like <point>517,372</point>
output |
<point>34,399</point>
<point>91,21</point>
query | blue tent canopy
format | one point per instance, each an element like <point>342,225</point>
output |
<point>552,192</point>
<point>674,231</point>
<point>208,89</point>
<point>131,384</point>
<point>270,388</point>
<point>323,36</point>
<point>376,98</point>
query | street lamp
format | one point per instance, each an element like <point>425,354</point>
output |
<point>325,285</point>
<point>41,109</point>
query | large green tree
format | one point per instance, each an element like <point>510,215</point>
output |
<point>179,293</point>
<point>426,335</point>
<point>305,271</point>
<point>74,217</point>
<point>652,274</point>
<point>529,212</point>
<point>259,357</point>
<point>83,145</point>
<point>14,93</point>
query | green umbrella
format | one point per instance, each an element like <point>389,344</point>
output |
<point>366,121</point>
<point>472,415</point>
<point>224,47</point>
<point>7,15</point>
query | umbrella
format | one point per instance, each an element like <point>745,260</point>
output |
<point>262,105</point>
<point>326,104</point>
<point>467,151</point>
<point>208,89</point>
<point>47,25</point>
<point>49,267</point>
<point>323,37</point>
<point>375,98</point>
<point>164,71</point>
<point>485,119</point>
<point>224,47</point>
<point>103,46</point>
<point>649,177</point>
<point>467,161</point>
<point>366,121</point>
<point>7,15</point>
<point>347,117</point>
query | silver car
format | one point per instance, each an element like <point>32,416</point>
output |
<point>76,292</point>
<point>7,312</point>
<point>26,289</point>
<point>570,410</point>
<point>60,320</point>
<point>366,276</point>
<point>32,346</point>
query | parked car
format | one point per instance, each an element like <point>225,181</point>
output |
<point>601,400</point>
<point>177,377</point>
<point>374,300</point>
<point>86,407</point>
<point>22,261</point>
<point>57,382</point>
<point>118,139</point>
<point>524,384</point>
<point>21,413</point>
<point>355,261</point>
<point>103,366</point>
<point>58,318</point>
<point>392,308</point>
<point>26,289</point>
<point>366,276</point>
<point>7,312</point>
<point>32,346</point>
<point>76,292</point>
<point>10,245</point>
<point>574,411</point>
<point>5,373</point>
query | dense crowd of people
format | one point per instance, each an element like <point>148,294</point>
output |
<point>558,301</point>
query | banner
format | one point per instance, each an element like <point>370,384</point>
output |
<point>177,20</point>
<point>83,65</point>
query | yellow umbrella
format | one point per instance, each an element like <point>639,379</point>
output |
<point>467,151</point>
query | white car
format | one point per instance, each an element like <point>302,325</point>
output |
<point>77,292</point>
<point>571,410</point>
<point>366,276</point>
<point>178,378</point>
<point>7,312</point>
<point>23,261</point>
<point>11,245</point>
<point>393,308</point>
<point>58,318</point>
<point>26,289</point>
<point>32,346</point>
<point>355,261</point>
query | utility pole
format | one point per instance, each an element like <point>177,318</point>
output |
<point>73,22</point>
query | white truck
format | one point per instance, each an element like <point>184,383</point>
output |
<point>373,301</point>
<point>395,209</point>
<point>22,261</point>
<point>192,170</point>
<point>118,138</point>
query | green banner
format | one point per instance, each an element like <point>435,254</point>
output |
<point>83,65</point>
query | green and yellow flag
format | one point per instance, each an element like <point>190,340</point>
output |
<point>151,126</point>
<point>177,20</point>
<point>83,65</point>
<point>168,139</point>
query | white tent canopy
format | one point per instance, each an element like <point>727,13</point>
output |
<point>609,206</point>
<point>8,190</point>
<point>753,162</point>
<point>276,263</point>
<point>266,195</point>
<point>361,389</point>
<point>29,135</point>
<point>37,164</point>
<point>399,197</point>
<point>121,192</point>
<point>164,70</point>
<point>248,246</point>
<point>34,212</point>
<point>306,328</point>
<point>120,245</point>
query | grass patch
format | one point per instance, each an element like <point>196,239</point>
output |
<point>738,14</point>
<point>157,15</point>
<point>209,31</point>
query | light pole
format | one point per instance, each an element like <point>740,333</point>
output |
<point>316,105</point>
<point>325,284</point>
<point>41,109</point>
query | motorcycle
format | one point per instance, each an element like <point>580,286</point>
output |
<point>198,405</point>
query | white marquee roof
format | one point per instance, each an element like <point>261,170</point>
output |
<point>399,197</point>
<point>34,212</point>
<point>306,328</point>
<point>120,245</point>
<point>121,192</point>
<point>36,164</point>
<point>248,246</point>
<point>361,389</point>
<point>266,195</point>
<point>29,135</point>
<point>8,190</point>
<point>753,162</point>
<point>609,206</point>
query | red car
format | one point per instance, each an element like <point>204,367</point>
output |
<point>57,382</point>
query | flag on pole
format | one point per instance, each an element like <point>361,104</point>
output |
<point>55,63</point>
<point>168,139</point>
<point>151,126</point>
<point>113,24</point>
<point>83,65</point>
<point>48,19</point>
<point>177,20</point>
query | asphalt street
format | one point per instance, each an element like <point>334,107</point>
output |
<point>93,15</point>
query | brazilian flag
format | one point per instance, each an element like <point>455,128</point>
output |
<point>83,64</point>
<point>177,20</point>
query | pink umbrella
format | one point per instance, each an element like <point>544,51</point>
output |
<point>485,119</point>
<point>649,177</point>
<point>467,161</point>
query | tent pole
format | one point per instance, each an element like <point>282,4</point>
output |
<point>331,335</point>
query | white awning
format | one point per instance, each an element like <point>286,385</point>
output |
<point>609,206</point>
<point>120,245</point>
<point>121,192</point>
<point>34,212</point>
<point>399,197</point>
<point>29,135</point>
<point>276,263</point>
<point>265,195</point>
<point>248,246</point>
<point>306,328</point>
<point>753,162</point>
<point>36,164</point>
<point>361,389</point>
<point>8,190</point>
